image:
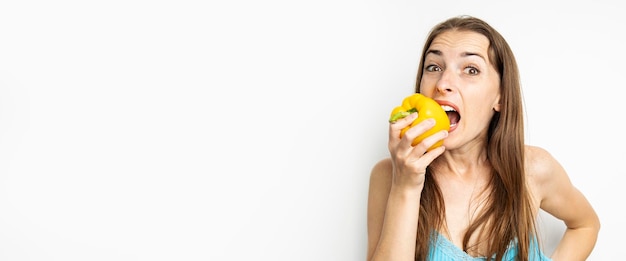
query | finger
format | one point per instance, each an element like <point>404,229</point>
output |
<point>415,131</point>
<point>395,128</point>
<point>422,148</point>
<point>431,155</point>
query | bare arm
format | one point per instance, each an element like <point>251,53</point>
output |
<point>395,190</point>
<point>560,198</point>
<point>391,217</point>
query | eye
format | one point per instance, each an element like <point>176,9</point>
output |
<point>432,68</point>
<point>471,70</point>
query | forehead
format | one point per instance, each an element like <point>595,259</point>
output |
<point>459,42</point>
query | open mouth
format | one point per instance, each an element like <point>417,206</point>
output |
<point>453,115</point>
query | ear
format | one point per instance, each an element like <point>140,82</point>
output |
<point>496,106</point>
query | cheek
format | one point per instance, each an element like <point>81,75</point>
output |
<point>481,104</point>
<point>427,87</point>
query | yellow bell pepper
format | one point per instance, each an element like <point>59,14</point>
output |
<point>425,108</point>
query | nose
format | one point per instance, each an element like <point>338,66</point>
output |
<point>446,82</point>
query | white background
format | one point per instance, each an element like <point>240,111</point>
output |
<point>246,130</point>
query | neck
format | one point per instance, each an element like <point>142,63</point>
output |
<point>465,163</point>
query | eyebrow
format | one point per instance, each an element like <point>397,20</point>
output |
<point>464,54</point>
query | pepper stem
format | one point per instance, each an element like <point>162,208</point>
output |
<point>402,114</point>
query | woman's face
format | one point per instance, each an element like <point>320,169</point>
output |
<point>457,73</point>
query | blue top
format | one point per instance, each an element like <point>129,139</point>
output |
<point>441,249</point>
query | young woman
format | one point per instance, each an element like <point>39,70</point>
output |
<point>477,197</point>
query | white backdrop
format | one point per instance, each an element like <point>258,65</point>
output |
<point>246,130</point>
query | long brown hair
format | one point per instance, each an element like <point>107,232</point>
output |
<point>508,212</point>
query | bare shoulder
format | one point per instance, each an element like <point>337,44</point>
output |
<point>381,174</point>
<point>540,164</point>
<point>544,174</point>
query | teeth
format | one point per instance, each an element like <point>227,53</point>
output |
<point>447,108</point>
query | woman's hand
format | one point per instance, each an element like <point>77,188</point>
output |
<point>410,162</point>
